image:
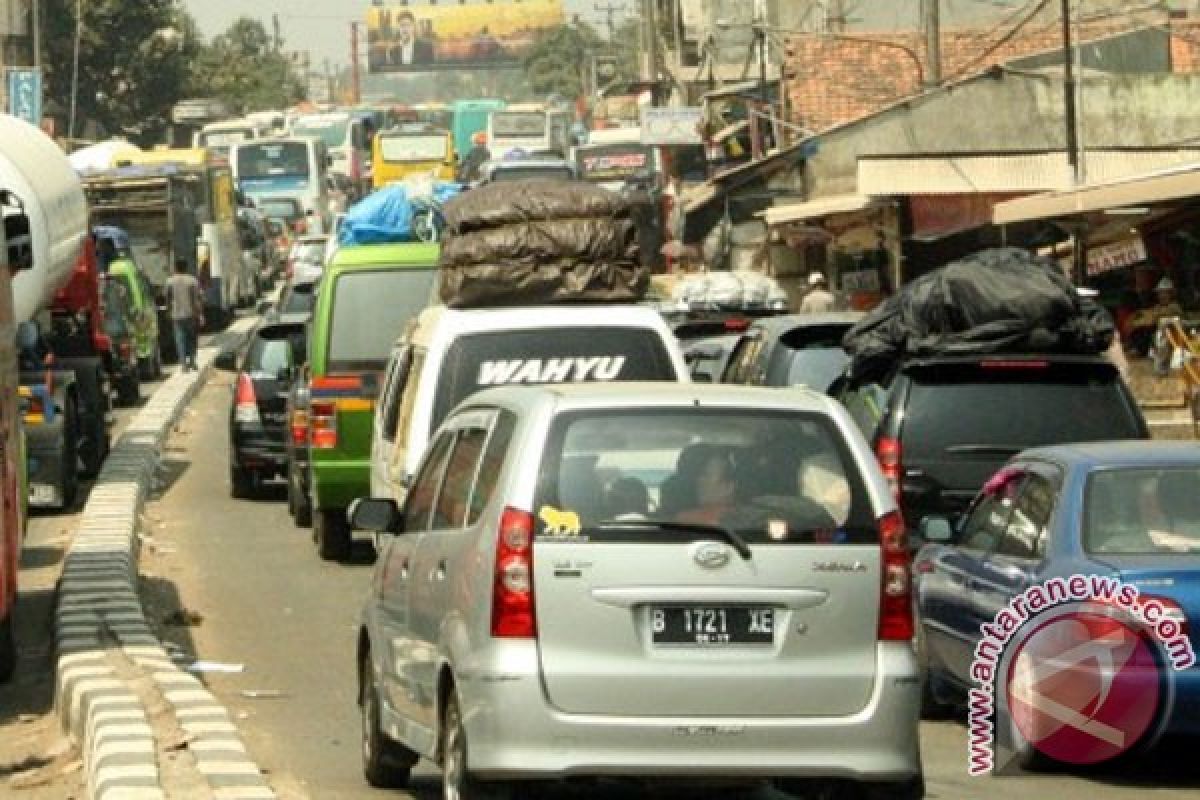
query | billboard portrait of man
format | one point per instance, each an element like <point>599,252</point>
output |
<point>408,48</point>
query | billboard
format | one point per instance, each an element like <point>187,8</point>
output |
<point>480,34</point>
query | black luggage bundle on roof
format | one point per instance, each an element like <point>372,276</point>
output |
<point>998,301</point>
<point>540,241</point>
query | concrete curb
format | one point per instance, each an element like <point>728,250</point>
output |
<point>106,647</point>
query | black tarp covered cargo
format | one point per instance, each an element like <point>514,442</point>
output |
<point>1004,300</point>
<point>540,241</point>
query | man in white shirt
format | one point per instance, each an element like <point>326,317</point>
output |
<point>819,299</point>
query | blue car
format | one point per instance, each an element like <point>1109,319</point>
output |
<point>1129,511</point>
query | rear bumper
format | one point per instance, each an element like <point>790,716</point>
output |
<point>514,733</point>
<point>259,449</point>
<point>43,454</point>
<point>337,484</point>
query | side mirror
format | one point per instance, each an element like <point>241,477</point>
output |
<point>938,530</point>
<point>374,514</point>
<point>226,361</point>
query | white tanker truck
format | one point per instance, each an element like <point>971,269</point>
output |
<point>60,341</point>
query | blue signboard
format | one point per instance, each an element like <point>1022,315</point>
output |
<point>25,94</point>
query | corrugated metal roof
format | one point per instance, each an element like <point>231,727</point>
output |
<point>1159,186</point>
<point>836,204</point>
<point>1026,172</point>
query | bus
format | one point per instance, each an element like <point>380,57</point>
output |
<point>530,128</point>
<point>346,139</point>
<point>412,150</point>
<point>188,117</point>
<point>286,167</point>
<point>220,136</point>
<point>469,117</point>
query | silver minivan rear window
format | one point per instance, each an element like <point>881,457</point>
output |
<point>770,477</point>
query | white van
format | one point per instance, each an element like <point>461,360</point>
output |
<point>286,167</point>
<point>447,355</point>
<point>529,129</point>
<point>346,138</point>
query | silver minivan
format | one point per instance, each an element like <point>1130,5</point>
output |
<point>661,582</point>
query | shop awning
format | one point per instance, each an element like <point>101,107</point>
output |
<point>1007,173</point>
<point>822,207</point>
<point>1177,183</point>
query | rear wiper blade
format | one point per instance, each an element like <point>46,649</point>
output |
<point>985,449</point>
<point>728,534</point>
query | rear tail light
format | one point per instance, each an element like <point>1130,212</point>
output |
<point>895,598</point>
<point>245,402</point>
<point>299,427</point>
<point>512,592</point>
<point>323,425</point>
<point>889,453</point>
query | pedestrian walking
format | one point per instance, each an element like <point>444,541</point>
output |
<point>187,313</point>
<point>819,299</point>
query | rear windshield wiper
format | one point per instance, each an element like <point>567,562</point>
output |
<point>728,534</point>
<point>985,449</point>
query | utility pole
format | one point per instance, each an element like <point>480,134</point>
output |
<point>931,21</point>
<point>36,22</point>
<point>278,36</point>
<point>355,77</point>
<point>649,42</point>
<point>610,10</point>
<point>1069,107</point>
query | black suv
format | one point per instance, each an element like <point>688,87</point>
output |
<point>942,426</point>
<point>792,350</point>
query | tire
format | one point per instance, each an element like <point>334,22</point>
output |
<point>129,390</point>
<point>95,450</point>
<point>241,483</point>
<point>934,706</point>
<point>332,534</point>
<point>304,511</point>
<point>70,454</point>
<point>457,781</point>
<point>386,764</point>
<point>8,648</point>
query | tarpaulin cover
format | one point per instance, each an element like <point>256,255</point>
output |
<point>509,202</point>
<point>1004,300</point>
<point>386,215</point>
<point>540,241</point>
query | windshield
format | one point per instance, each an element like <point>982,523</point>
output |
<point>613,163</point>
<point>275,160</point>
<point>279,208</point>
<point>525,173</point>
<point>299,299</point>
<point>330,131</point>
<point>948,409</point>
<point>268,356</point>
<point>1143,511</point>
<point>769,476</point>
<point>413,148</point>
<point>369,309</point>
<point>225,138</point>
<point>518,124</point>
<point>549,355</point>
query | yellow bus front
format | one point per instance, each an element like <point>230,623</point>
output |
<point>403,154</point>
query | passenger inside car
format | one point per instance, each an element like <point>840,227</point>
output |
<point>713,488</point>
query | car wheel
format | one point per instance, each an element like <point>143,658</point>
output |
<point>241,483</point>
<point>457,781</point>
<point>70,454</point>
<point>304,514</point>
<point>386,764</point>
<point>911,789</point>
<point>934,706</point>
<point>8,648</point>
<point>332,534</point>
<point>129,390</point>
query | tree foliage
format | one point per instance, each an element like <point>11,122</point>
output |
<point>560,59</point>
<point>133,60</point>
<point>243,68</point>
